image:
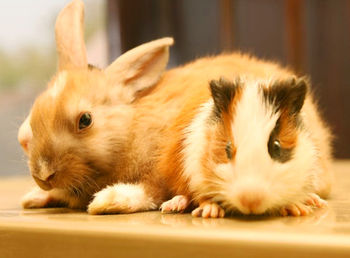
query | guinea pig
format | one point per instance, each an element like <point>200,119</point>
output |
<point>77,135</point>
<point>257,145</point>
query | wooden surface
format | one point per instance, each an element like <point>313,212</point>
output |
<point>68,233</point>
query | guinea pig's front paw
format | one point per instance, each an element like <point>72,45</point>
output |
<point>303,209</point>
<point>315,201</point>
<point>208,210</point>
<point>36,198</point>
<point>296,210</point>
<point>177,204</point>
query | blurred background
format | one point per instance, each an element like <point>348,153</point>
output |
<point>310,36</point>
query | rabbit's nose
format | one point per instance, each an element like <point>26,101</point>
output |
<point>45,185</point>
<point>46,175</point>
<point>44,179</point>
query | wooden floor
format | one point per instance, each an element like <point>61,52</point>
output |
<point>68,233</point>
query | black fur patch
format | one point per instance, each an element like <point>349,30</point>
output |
<point>288,94</point>
<point>223,92</point>
<point>280,154</point>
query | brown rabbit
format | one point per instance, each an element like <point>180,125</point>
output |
<point>78,135</point>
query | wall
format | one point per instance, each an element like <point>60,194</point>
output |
<point>312,37</point>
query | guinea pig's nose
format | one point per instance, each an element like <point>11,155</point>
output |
<point>251,202</point>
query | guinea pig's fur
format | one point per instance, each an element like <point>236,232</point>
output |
<point>221,148</point>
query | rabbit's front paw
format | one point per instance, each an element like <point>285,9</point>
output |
<point>36,198</point>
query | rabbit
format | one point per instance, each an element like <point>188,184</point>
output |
<point>78,134</point>
<point>253,143</point>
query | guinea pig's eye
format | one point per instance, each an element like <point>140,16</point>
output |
<point>228,150</point>
<point>276,148</point>
<point>85,120</point>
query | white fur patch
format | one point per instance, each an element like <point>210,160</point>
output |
<point>59,84</point>
<point>194,145</point>
<point>121,198</point>
<point>252,125</point>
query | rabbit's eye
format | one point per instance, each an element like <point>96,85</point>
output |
<point>85,120</point>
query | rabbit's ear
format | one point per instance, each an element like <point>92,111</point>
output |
<point>70,37</point>
<point>141,67</point>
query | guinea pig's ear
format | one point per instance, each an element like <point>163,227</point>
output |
<point>288,94</point>
<point>141,67</point>
<point>223,92</point>
<point>297,94</point>
<point>70,37</point>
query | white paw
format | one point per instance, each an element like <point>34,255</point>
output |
<point>296,210</point>
<point>36,198</point>
<point>121,198</point>
<point>208,210</point>
<point>303,209</point>
<point>316,201</point>
<point>177,204</point>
